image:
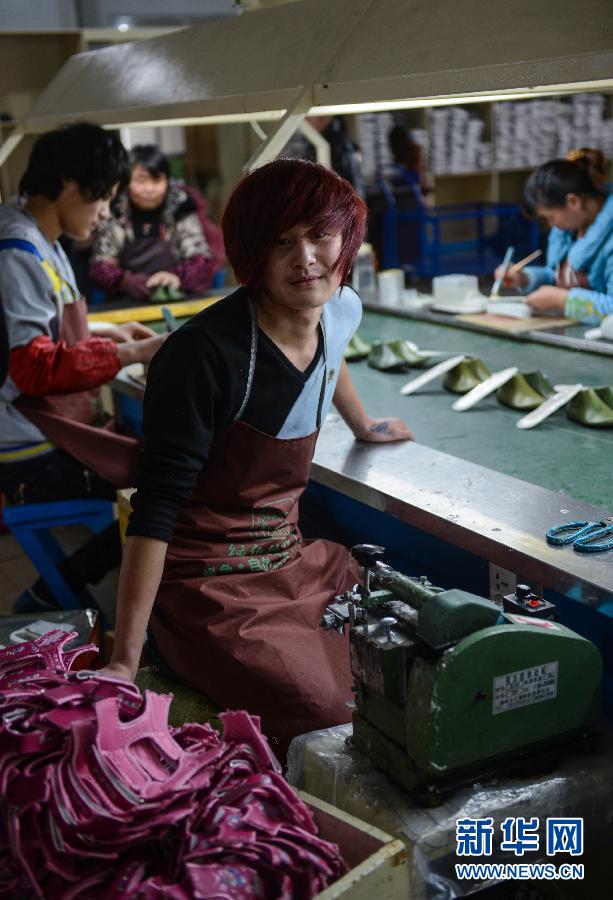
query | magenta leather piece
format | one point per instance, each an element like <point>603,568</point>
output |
<point>46,652</point>
<point>102,799</point>
<point>224,882</point>
<point>239,727</point>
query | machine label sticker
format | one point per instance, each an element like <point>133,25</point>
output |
<point>524,687</point>
<point>530,620</point>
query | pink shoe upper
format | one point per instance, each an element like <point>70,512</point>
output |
<point>102,799</point>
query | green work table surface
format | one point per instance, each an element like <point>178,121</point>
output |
<point>474,479</point>
<point>559,454</point>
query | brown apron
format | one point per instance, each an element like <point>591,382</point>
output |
<point>148,256</point>
<point>75,422</point>
<point>238,609</point>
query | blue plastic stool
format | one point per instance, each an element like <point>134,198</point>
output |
<point>31,526</point>
<point>219,279</point>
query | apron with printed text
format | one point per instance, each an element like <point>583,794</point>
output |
<point>238,610</point>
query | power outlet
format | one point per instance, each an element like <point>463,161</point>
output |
<point>501,582</point>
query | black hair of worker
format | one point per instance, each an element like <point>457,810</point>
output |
<point>151,158</point>
<point>550,184</point>
<point>405,151</point>
<point>84,153</point>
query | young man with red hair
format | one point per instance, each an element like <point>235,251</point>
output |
<point>233,405</point>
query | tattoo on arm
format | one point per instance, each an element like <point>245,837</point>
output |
<point>380,427</point>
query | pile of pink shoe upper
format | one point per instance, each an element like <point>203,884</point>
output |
<point>102,799</point>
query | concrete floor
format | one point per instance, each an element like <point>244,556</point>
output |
<point>17,572</point>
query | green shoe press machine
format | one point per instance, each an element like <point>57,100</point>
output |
<point>451,687</point>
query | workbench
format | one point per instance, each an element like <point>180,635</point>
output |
<point>468,503</point>
<point>560,454</point>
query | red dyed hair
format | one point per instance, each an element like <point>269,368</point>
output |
<point>280,195</point>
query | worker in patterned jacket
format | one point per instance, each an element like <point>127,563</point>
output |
<point>155,237</point>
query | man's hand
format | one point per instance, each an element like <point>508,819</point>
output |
<point>363,426</point>
<point>546,298</point>
<point>382,431</point>
<point>141,351</point>
<point>130,331</point>
<point>167,279</point>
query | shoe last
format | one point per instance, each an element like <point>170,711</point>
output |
<point>465,376</point>
<point>525,391</point>
<point>383,358</point>
<point>589,409</point>
<point>356,349</point>
<point>606,395</point>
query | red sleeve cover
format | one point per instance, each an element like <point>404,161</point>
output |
<point>52,367</point>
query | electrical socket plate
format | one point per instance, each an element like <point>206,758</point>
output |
<point>501,582</point>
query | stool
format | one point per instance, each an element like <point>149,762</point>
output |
<point>219,279</point>
<point>31,526</point>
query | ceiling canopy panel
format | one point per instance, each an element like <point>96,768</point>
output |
<point>344,53</point>
<point>254,63</point>
<point>429,48</point>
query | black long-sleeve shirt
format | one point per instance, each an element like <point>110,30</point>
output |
<point>196,385</point>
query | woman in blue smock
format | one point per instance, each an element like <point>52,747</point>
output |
<point>577,280</point>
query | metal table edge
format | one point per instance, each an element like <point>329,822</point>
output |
<point>584,576</point>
